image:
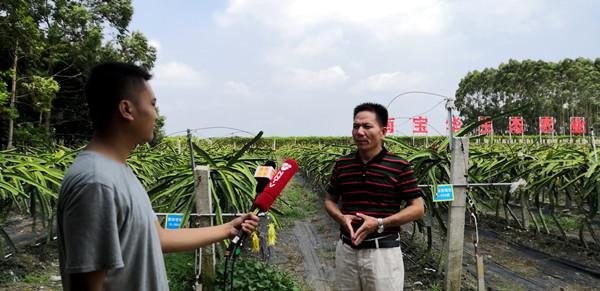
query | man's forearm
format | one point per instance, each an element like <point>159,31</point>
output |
<point>332,209</point>
<point>192,238</point>
<point>414,211</point>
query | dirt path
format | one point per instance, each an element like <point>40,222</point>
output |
<point>306,249</point>
<point>21,232</point>
<point>517,267</point>
<point>309,246</point>
<point>317,274</point>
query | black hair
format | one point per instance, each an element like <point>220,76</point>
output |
<point>381,113</point>
<point>107,85</point>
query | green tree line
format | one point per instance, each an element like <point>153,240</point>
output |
<point>570,87</point>
<point>47,49</point>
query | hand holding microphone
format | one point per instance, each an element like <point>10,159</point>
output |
<point>268,195</point>
<point>241,227</point>
<point>249,222</point>
<point>246,223</point>
<point>269,187</point>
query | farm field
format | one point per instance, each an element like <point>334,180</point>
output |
<point>550,242</point>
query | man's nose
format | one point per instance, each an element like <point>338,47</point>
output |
<point>361,131</point>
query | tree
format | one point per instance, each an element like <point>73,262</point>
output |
<point>159,133</point>
<point>46,50</point>
<point>3,94</point>
<point>19,32</point>
<point>563,89</point>
<point>42,91</point>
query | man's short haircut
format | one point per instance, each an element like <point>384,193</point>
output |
<point>107,85</point>
<point>381,113</point>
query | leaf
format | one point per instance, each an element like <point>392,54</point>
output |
<point>243,150</point>
<point>204,154</point>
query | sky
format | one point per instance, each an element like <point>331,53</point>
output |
<point>299,67</point>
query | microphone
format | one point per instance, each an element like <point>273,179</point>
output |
<point>265,199</point>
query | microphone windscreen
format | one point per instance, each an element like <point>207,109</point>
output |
<point>263,202</point>
<point>266,198</point>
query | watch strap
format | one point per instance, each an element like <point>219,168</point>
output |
<point>379,225</point>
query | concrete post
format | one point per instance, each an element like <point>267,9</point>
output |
<point>263,230</point>
<point>524,208</point>
<point>456,214</point>
<point>204,205</point>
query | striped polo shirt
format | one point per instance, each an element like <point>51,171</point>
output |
<point>376,188</point>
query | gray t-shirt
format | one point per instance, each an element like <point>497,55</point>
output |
<point>106,222</point>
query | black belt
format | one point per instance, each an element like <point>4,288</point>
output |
<point>383,242</point>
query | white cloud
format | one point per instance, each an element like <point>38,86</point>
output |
<point>384,19</point>
<point>175,74</point>
<point>237,88</point>
<point>303,78</point>
<point>154,43</point>
<point>319,43</point>
<point>391,82</point>
<point>508,16</point>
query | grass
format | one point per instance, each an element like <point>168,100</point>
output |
<point>296,203</point>
<point>180,271</point>
<point>436,286</point>
<point>509,287</point>
<point>36,278</point>
<point>569,223</point>
<point>252,274</point>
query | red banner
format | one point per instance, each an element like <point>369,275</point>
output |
<point>546,124</point>
<point>391,126</point>
<point>419,124</point>
<point>456,124</point>
<point>516,125</point>
<point>485,128</point>
<point>577,125</point>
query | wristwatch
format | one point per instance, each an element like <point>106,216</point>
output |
<point>379,225</point>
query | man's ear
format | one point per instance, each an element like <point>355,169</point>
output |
<point>126,109</point>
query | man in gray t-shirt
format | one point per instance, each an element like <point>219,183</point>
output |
<point>109,236</point>
<point>107,216</point>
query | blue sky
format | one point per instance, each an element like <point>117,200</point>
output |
<point>298,68</point>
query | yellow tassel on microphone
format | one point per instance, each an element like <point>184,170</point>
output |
<point>271,235</point>
<point>255,242</point>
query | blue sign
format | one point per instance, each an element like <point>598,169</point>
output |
<point>444,192</point>
<point>174,221</point>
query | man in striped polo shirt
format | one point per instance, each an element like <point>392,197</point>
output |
<point>370,187</point>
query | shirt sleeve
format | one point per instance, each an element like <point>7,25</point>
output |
<point>90,230</point>
<point>333,188</point>
<point>407,186</point>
